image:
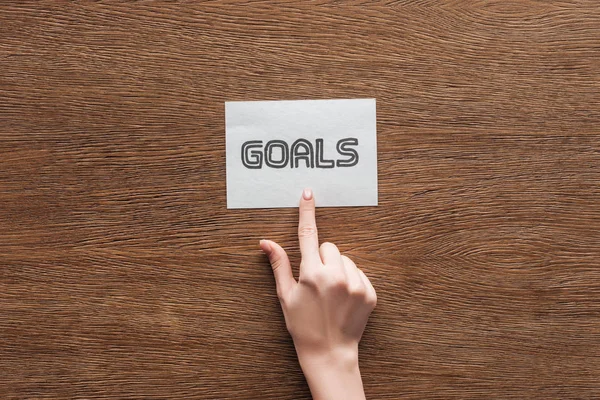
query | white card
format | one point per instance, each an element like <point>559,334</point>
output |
<point>275,149</point>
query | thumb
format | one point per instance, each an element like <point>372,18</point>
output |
<point>281,267</point>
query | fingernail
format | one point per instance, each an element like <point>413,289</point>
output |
<point>307,194</point>
<point>266,246</point>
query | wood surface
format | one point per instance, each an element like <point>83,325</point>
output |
<point>123,275</point>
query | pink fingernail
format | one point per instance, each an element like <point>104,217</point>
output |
<point>307,194</point>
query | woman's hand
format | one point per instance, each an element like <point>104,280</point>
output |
<point>325,311</point>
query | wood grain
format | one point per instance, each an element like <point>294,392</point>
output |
<point>123,275</point>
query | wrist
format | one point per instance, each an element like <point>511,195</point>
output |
<point>332,374</point>
<point>339,358</point>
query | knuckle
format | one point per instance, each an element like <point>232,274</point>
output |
<point>307,231</point>
<point>311,284</point>
<point>312,279</point>
<point>338,283</point>
<point>357,291</point>
<point>329,246</point>
<point>276,263</point>
<point>372,300</point>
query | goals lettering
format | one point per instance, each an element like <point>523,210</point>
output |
<point>277,154</point>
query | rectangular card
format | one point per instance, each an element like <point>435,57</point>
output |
<point>275,149</point>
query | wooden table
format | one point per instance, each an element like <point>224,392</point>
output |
<point>123,275</point>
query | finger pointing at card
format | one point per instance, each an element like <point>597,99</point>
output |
<point>307,232</point>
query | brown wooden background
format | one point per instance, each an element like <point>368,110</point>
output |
<point>123,275</point>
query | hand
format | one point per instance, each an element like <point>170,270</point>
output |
<point>325,311</point>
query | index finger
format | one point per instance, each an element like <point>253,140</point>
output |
<point>307,230</point>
